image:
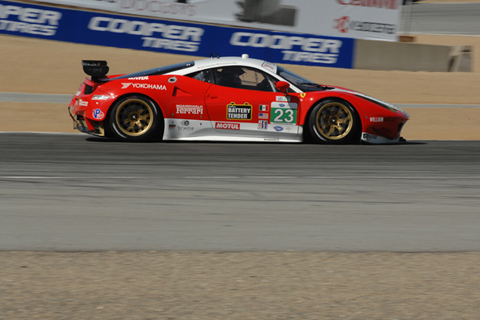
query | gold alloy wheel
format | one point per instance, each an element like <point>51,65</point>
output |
<point>134,117</point>
<point>334,121</point>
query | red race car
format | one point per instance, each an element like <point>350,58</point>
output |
<point>227,99</point>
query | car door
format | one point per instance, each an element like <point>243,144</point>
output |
<point>184,110</point>
<point>244,101</point>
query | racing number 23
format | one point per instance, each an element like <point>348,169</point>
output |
<point>284,115</point>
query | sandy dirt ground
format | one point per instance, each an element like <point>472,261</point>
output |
<point>243,285</point>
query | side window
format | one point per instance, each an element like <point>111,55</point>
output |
<point>244,78</point>
<point>229,77</point>
<point>204,75</point>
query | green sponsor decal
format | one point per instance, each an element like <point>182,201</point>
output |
<point>283,115</point>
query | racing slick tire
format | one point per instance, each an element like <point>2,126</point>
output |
<point>334,121</point>
<point>135,118</point>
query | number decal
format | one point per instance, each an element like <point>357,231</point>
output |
<point>289,117</point>
<point>284,113</point>
<point>280,115</point>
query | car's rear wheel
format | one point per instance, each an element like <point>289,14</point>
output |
<point>136,118</point>
<point>333,121</point>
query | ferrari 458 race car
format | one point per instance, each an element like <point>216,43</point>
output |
<point>227,99</point>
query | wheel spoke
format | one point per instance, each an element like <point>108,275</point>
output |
<point>128,128</point>
<point>340,113</point>
<point>141,125</point>
<point>330,131</point>
<point>344,120</point>
<point>323,125</point>
<point>340,129</point>
<point>144,117</point>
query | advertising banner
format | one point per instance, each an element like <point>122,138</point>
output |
<point>360,19</point>
<point>138,33</point>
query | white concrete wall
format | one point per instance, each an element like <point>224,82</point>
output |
<point>408,56</point>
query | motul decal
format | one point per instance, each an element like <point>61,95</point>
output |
<point>227,126</point>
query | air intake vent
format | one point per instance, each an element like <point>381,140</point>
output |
<point>88,89</point>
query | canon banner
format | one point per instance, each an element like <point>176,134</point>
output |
<point>360,19</point>
<point>138,33</point>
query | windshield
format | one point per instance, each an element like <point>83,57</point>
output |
<point>159,71</point>
<point>298,81</point>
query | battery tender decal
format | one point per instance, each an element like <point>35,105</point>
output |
<point>239,111</point>
<point>283,113</point>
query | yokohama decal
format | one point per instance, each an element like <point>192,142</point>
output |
<point>227,126</point>
<point>144,86</point>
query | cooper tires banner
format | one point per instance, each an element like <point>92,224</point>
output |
<point>360,19</point>
<point>138,33</point>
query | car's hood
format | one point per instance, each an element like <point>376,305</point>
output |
<point>359,94</point>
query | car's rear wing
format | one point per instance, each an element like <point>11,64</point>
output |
<point>95,68</point>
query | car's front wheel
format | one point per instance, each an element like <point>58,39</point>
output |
<point>135,118</point>
<point>333,121</point>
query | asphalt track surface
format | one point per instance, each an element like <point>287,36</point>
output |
<point>64,192</point>
<point>73,192</point>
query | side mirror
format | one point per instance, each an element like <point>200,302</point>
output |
<point>282,86</point>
